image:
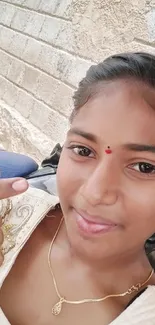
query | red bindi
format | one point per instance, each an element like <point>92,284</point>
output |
<point>108,150</point>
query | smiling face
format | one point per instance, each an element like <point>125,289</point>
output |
<point>108,200</point>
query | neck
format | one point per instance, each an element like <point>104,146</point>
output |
<point>117,275</point>
<point>134,266</point>
<point>128,261</point>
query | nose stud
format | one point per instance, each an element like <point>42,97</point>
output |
<point>108,150</point>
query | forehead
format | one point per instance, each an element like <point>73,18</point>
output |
<point>120,110</point>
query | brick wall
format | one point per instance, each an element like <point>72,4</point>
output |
<point>46,46</point>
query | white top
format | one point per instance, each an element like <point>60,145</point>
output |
<point>27,212</point>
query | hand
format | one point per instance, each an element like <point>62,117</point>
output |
<point>10,187</point>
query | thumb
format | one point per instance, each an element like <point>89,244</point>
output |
<point>12,186</point>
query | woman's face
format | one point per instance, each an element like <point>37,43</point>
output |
<point>108,200</point>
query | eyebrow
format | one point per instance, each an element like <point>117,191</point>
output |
<point>140,147</point>
<point>130,146</point>
<point>81,133</point>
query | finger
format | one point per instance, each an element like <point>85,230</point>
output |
<point>12,186</point>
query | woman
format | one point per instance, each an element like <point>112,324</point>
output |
<point>85,262</point>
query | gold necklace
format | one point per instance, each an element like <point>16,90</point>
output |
<point>58,306</point>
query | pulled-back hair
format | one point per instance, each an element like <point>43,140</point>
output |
<point>137,66</point>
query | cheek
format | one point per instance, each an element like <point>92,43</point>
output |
<point>144,196</point>
<point>71,174</point>
<point>141,208</point>
<point>68,177</point>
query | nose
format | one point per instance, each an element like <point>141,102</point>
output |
<point>101,187</point>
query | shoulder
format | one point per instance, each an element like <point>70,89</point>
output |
<point>23,213</point>
<point>141,311</point>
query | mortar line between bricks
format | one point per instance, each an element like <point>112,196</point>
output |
<point>139,40</point>
<point>35,97</point>
<point>52,45</point>
<point>42,12</point>
<point>38,69</point>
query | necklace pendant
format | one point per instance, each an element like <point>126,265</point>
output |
<point>56,310</point>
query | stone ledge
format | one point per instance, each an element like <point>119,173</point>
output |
<point>19,135</point>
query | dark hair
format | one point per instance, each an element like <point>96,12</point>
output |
<point>138,66</point>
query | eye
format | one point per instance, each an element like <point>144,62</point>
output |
<point>81,151</point>
<point>144,168</point>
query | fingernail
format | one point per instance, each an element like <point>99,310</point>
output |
<point>19,185</point>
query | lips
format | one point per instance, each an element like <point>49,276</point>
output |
<point>93,224</point>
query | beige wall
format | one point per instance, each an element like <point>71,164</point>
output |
<point>46,46</point>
